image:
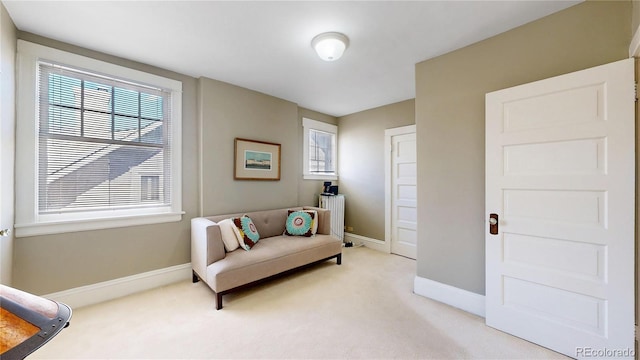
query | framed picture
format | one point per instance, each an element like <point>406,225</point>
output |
<point>256,160</point>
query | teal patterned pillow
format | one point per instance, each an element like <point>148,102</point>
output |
<point>246,232</point>
<point>300,223</point>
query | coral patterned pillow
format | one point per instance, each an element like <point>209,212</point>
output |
<point>246,232</point>
<point>300,223</point>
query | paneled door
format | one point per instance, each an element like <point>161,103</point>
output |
<point>403,191</point>
<point>560,177</point>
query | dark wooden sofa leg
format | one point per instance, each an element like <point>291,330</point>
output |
<point>218,301</point>
<point>339,259</point>
<point>196,278</point>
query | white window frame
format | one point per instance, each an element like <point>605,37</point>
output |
<point>28,221</point>
<point>309,124</point>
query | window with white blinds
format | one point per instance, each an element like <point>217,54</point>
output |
<point>98,145</point>
<point>103,142</point>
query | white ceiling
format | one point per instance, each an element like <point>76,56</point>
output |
<point>265,45</point>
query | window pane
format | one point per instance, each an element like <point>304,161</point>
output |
<point>62,120</point>
<point>97,96</point>
<point>97,125</point>
<point>152,132</point>
<point>126,128</point>
<point>64,90</point>
<point>151,106</point>
<point>126,102</point>
<point>321,152</point>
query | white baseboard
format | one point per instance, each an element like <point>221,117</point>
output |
<point>450,295</point>
<point>112,289</point>
<point>374,244</point>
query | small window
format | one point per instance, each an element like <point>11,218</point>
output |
<point>320,150</point>
<point>98,145</point>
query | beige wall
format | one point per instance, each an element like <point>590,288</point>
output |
<point>450,93</point>
<point>361,164</point>
<point>228,111</point>
<point>46,264</point>
<point>7,142</point>
<point>309,190</point>
<point>635,16</point>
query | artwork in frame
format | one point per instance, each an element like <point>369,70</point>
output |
<point>256,160</point>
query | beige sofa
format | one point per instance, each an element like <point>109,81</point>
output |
<point>274,254</point>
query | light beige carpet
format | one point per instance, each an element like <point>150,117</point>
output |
<point>364,308</point>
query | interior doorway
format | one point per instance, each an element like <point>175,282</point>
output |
<point>401,191</point>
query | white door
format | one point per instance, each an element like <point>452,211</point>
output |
<point>403,191</point>
<point>560,175</point>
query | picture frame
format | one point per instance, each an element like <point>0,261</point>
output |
<point>256,160</point>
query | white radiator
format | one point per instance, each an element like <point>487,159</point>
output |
<point>335,203</point>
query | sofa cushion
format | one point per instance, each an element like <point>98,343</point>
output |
<point>270,256</point>
<point>300,223</point>
<point>246,232</point>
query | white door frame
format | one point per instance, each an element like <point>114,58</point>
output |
<point>634,52</point>
<point>388,134</point>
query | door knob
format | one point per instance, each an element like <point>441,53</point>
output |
<point>493,224</point>
<point>5,232</point>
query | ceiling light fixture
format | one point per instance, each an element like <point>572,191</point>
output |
<point>330,45</point>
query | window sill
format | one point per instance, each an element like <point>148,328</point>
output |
<point>319,177</point>
<point>61,227</point>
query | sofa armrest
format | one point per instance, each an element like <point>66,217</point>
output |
<point>324,219</point>
<point>206,245</point>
